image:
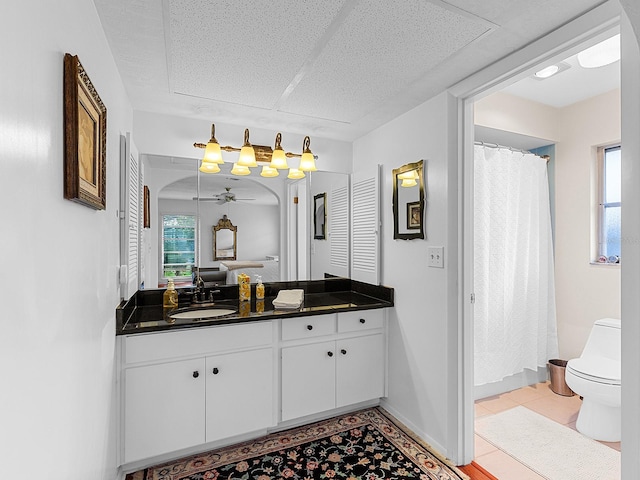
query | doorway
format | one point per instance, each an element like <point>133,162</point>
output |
<point>562,43</point>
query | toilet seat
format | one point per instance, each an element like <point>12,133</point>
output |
<point>600,370</point>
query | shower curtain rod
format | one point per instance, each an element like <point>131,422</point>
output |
<point>495,145</point>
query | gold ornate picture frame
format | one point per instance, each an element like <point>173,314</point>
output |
<point>85,138</point>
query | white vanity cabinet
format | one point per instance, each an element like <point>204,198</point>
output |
<point>331,361</point>
<point>193,386</point>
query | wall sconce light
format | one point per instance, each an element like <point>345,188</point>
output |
<point>408,178</point>
<point>255,155</point>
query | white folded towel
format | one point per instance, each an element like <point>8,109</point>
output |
<point>289,298</point>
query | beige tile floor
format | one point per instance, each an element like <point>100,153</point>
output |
<point>538,398</point>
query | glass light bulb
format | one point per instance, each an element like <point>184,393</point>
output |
<point>209,167</point>
<point>279,159</point>
<point>240,169</point>
<point>247,157</point>
<point>212,153</point>
<point>307,163</point>
<point>268,171</point>
<point>295,174</point>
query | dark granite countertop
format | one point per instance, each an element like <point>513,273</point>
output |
<point>143,313</point>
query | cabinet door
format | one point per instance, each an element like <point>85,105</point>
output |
<point>360,369</point>
<point>164,408</point>
<point>308,379</point>
<point>239,393</point>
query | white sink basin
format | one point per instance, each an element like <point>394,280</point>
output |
<point>202,313</point>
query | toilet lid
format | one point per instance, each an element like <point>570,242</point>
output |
<point>601,370</point>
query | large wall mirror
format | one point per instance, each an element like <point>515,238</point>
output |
<point>224,240</point>
<point>408,201</point>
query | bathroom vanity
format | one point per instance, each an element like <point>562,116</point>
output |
<point>196,384</point>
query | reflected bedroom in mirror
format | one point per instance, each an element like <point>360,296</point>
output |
<point>408,201</point>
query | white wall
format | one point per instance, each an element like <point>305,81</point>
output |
<point>419,392</point>
<point>584,292</point>
<point>60,258</point>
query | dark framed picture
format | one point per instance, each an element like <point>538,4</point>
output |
<point>413,215</point>
<point>146,213</point>
<point>85,138</point>
<point>320,216</point>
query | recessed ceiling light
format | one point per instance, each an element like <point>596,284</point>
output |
<point>547,71</point>
<point>601,54</point>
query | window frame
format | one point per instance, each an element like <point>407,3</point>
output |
<point>601,204</point>
<point>161,250</point>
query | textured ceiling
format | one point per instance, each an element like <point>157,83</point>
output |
<point>330,68</point>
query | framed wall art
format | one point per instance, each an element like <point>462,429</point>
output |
<point>85,138</point>
<point>414,220</point>
<point>320,216</point>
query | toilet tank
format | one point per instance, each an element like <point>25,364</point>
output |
<point>604,340</point>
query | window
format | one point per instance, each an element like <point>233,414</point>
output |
<point>609,203</point>
<point>178,245</point>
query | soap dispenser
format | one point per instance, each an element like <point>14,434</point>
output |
<point>170,296</point>
<point>259,288</point>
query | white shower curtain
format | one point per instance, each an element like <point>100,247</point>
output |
<point>514,311</point>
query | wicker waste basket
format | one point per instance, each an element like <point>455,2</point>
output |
<point>556,373</point>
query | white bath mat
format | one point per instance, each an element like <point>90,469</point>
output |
<point>550,449</point>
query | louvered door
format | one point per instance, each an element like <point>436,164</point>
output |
<point>339,231</point>
<point>130,209</point>
<point>365,226</point>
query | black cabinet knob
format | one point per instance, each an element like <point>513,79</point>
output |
<point>216,371</point>
<point>196,374</point>
<point>362,320</point>
<point>343,351</point>
<point>309,327</point>
<point>330,354</point>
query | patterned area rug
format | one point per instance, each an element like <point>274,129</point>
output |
<point>364,445</point>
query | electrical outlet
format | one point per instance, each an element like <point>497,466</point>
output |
<point>436,257</point>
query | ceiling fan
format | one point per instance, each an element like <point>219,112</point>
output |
<point>225,197</point>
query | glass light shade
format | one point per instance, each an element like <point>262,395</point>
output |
<point>212,153</point>
<point>411,182</point>
<point>410,175</point>
<point>209,167</point>
<point>307,163</point>
<point>279,159</point>
<point>247,157</point>
<point>601,54</point>
<point>295,174</point>
<point>268,171</point>
<point>240,169</point>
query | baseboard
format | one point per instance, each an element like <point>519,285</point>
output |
<point>424,436</point>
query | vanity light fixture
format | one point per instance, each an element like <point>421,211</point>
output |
<point>256,155</point>
<point>601,54</point>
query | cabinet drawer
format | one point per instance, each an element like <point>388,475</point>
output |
<point>360,320</point>
<point>308,327</point>
<point>196,341</point>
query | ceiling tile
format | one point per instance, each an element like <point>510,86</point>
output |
<point>243,52</point>
<point>380,49</point>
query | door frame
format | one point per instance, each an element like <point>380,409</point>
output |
<point>567,40</point>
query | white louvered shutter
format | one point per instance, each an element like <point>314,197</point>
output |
<point>130,215</point>
<point>338,206</point>
<point>365,226</point>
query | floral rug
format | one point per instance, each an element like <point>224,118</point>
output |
<point>365,445</point>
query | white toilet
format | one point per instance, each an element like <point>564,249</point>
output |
<point>596,377</point>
